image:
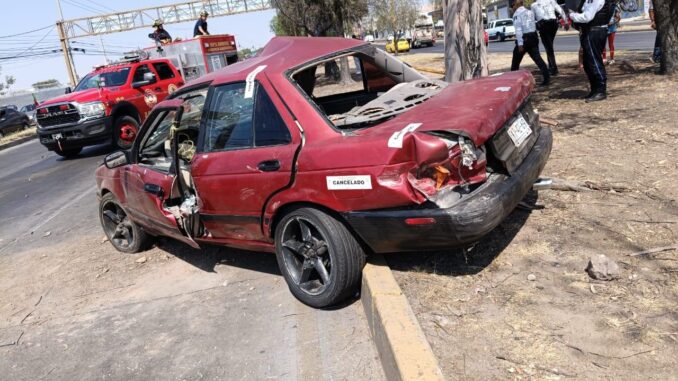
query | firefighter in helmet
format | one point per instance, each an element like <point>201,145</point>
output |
<point>160,34</point>
<point>200,28</point>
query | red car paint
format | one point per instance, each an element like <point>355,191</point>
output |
<point>239,203</point>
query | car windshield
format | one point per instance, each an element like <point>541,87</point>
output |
<point>28,108</point>
<point>104,79</point>
<point>364,87</point>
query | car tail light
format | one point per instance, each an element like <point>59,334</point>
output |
<point>42,111</point>
<point>420,221</point>
<point>464,165</point>
<point>63,107</point>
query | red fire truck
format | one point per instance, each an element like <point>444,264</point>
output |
<point>198,56</point>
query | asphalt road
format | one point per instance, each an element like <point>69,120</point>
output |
<point>80,310</point>
<point>642,40</point>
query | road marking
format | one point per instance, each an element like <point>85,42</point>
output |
<point>10,149</point>
<point>42,223</point>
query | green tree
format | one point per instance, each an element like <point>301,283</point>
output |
<point>318,17</point>
<point>395,16</point>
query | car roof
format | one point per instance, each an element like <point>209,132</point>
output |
<point>280,55</point>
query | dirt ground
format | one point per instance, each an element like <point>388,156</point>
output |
<point>519,304</point>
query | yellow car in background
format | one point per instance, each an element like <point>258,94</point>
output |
<point>403,46</point>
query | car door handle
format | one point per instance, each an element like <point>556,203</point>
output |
<point>269,166</point>
<point>154,189</point>
<point>158,89</point>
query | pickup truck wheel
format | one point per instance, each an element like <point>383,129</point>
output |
<point>68,152</point>
<point>320,259</point>
<point>123,233</point>
<point>502,38</point>
<point>125,130</point>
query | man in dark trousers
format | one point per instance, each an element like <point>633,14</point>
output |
<point>592,22</point>
<point>547,25</point>
<point>200,28</point>
<point>527,40</point>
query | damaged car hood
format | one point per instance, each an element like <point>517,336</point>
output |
<point>475,109</point>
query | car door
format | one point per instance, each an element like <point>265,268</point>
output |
<point>145,96</point>
<point>246,154</point>
<point>166,77</point>
<point>149,180</point>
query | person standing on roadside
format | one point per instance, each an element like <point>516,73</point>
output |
<point>592,23</point>
<point>527,40</point>
<point>200,28</point>
<point>612,30</point>
<point>657,53</point>
<point>547,25</point>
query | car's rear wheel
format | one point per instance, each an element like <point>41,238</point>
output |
<point>68,152</point>
<point>320,259</point>
<point>125,130</point>
<point>121,231</point>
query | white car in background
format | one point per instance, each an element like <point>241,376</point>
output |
<point>369,38</point>
<point>500,29</point>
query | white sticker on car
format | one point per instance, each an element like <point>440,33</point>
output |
<point>396,140</point>
<point>349,182</point>
<point>249,81</point>
<point>503,89</point>
<point>496,74</point>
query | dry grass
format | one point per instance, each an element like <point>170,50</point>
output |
<point>478,309</point>
<point>17,135</point>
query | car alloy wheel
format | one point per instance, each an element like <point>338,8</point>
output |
<point>307,257</point>
<point>319,258</point>
<point>120,230</point>
<point>125,131</point>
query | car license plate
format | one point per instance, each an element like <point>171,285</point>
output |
<point>519,131</point>
<point>56,136</point>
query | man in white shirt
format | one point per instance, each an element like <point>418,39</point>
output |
<point>547,25</point>
<point>527,40</point>
<point>591,20</point>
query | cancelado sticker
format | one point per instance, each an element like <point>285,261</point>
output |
<point>349,182</point>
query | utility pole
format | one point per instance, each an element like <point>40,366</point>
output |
<point>65,47</point>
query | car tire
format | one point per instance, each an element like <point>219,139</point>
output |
<point>309,242</point>
<point>25,126</point>
<point>502,38</point>
<point>122,127</point>
<point>125,235</point>
<point>2,134</point>
<point>68,152</point>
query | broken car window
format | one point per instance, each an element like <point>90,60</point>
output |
<point>229,119</point>
<point>364,87</point>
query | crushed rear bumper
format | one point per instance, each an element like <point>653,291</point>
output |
<point>462,224</point>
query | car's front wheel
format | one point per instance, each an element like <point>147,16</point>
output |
<point>125,131</point>
<point>320,259</point>
<point>121,231</point>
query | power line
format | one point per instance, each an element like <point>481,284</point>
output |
<point>29,32</point>
<point>102,5</point>
<point>43,37</point>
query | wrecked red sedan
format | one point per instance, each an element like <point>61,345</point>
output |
<point>323,150</point>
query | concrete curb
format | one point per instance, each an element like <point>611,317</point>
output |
<point>17,142</point>
<point>404,352</point>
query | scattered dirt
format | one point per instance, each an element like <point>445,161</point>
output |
<point>519,305</point>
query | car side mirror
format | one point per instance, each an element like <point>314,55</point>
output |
<point>148,79</point>
<point>68,90</point>
<point>117,159</point>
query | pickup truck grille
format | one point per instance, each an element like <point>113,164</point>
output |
<point>57,115</point>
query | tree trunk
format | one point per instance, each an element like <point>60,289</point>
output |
<point>345,78</point>
<point>666,18</point>
<point>465,51</point>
